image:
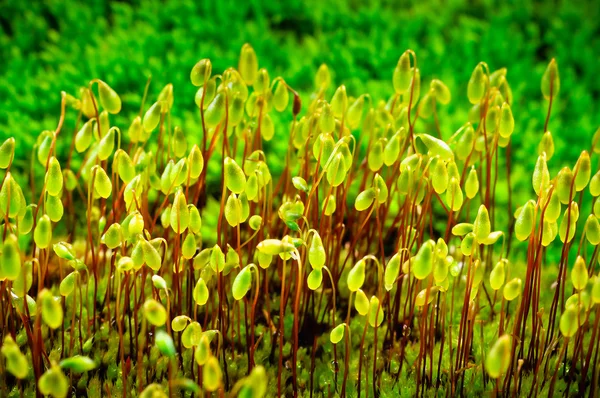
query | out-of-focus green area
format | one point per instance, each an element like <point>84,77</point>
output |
<point>49,46</point>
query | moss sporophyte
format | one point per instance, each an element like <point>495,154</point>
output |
<point>155,261</point>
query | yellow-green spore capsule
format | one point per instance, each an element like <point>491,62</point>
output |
<point>492,119</point>
<point>437,147</point>
<point>541,176</point>
<point>498,358</point>
<point>524,221</point>
<point>195,161</point>
<point>391,151</point>
<point>54,177</point>
<point>441,91</point>
<point>402,76</point>
<point>440,269</point>
<point>322,77</point>
<point>472,183</point>
<point>376,313</point>
<point>315,278</point>
<point>16,361</point>
<point>422,262</point>
<point>10,259</point>
<point>200,293</point>
<point>462,229</point>
<point>52,312</point>
<point>180,214</point>
<point>392,270</point>
<point>188,247</point>
<point>192,335</point>
<point>507,121</point>
<point>355,112</point>
<point>26,220</point>
<point>242,283</point>
<point>579,274</point>
<point>211,374</point>
<point>102,183</point>
<point>84,136</point>
<point>217,259</point>
<point>42,234</point>
<point>67,285</point>
<point>235,180</point>
<point>569,322</point>
<point>512,289</point>
<point>584,170</point>
<point>465,142</point>
<point>468,244</point>
<point>316,252</point>
<point>44,147</point>
<point>179,142</point>
<point>155,313</point>
<point>263,259</point>
<point>274,247</point>
<point>564,182</point>
<point>267,128</point>
<point>54,383</point>
<point>207,91</point>
<point>596,290</point>
<point>477,85</point>
<point>337,333</point>
<point>24,280</point>
<point>323,148</point>
<point>595,185</point>
<point>151,256</point>
<point>124,166</point>
<point>365,199</point>
<point>546,145</point>
<point>339,102</point>
<point>281,96</point>
<point>356,276</point>
<point>195,223</point>
<point>592,230</point>
<point>361,303</point>
<point>381,189</point>
<point>549,233</point>
<point>329,205</point>
<point>498,275</point>
<point>439,177</point>
<point>336,172</point>
<point>551,80</point>
<point>248,64</point>
<point>326,120</point>
<point>54,208</point>
<point>569,223</point>
<point>136,132</point>
<point>233,210</point>
<point>11,197</point>
<point>427,294</point>
<point>201,72</point>
<point>180,322</point>
<point>375,158</point>
<point>553,209</point>
<point>109,99</point>
<point>482,226</point>
<point>7,152</point>
<point>454,195</point>
<point>152,117</point>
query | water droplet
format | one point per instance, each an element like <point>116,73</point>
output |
<point>335,366</point>
<point>405,331</point>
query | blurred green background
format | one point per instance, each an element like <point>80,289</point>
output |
<point>49,46</point>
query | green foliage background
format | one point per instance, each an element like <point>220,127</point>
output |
<point>49,46</point>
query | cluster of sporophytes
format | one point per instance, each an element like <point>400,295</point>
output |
<point>371,264</point>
